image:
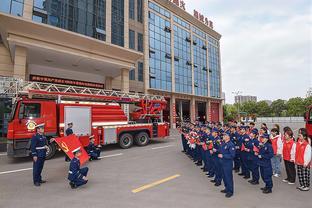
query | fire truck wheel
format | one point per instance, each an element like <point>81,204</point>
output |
<point>126,140</point>
<point>141,139</point>
<point>50,151</point>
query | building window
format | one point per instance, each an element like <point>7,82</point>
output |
<point>140,71</point>
<point>118,22</point>
<point>131,39</point>
<point>214,69</point>
<point>80,16</point>
<point>132,74</point>
<point>182,63</point>
<point>132,9</point>
<point>159,46</point>
<point>140,10</point>
<point>140,42</point>
<point>14,7</point>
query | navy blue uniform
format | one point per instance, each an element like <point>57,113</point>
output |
<point>235,140</point>
<point>75,173</point>
<point>265,155</point>
<point>243,156</point>
<point>69,131</point>
<point>216,160</point>
<point>38,149</point>
<point>93,151</point>
<point>208,155</point>
<point>228,153</point>
<point>252,159</point>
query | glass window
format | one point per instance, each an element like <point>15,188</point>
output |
<point>131,39</point>
<point>118,22</point>
<point>132,74</point>
<point>131,9</point>
<point>140,71</point>
<point>5,6</point>
<point>140,42</point>
<point>140,10</point>
<point>29,110</point>
<point>14,7</point>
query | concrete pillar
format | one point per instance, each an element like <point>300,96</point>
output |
<point>181,109</point>
<point>192,109</point>
<point>108,83</point>
<point>20,66</point>
<point>173,112</point>
<point>220,112</point>
<point>28,9</point>
<point>108,21</point>
<point>146,48</point>
<point>208,115</point>
<point>126,23</point>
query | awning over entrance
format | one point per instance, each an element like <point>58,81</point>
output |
<point>58,48</point>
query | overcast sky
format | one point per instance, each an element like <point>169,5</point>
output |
<point>266,45</point>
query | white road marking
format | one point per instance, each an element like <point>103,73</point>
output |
<point>161,147</point>
<point>4,154</point>
<point>114,155</point>
<point>15,171</point>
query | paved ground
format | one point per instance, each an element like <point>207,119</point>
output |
<point>113,178</point>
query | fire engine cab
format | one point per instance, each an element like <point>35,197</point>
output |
<point>102,113</point>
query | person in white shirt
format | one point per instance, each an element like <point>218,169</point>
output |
<point>303,159</point>
<point>277,146</point>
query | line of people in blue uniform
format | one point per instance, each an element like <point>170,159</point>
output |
<point>222,149</point>
<point>76,175</point>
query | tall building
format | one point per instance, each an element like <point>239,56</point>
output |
<point>245,98</point>
<point>153,47</point>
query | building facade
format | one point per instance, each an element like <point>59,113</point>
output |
<point>245,98</point>
<point>142,46</point>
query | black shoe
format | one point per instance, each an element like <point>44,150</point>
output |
<point>246,177</point>
<point>228,195</point>
<point>267,191</point>
<point>255,183</point>
<point>217,184</point>
<point>199,164</point>
<point>223,191</point>
<point>212,181</point>
<point>250,181</point>
<point>236,170</point>
<point>210,176</point>
<point>202,168</point>
<point>72,185</point>
<point>241,174</point>
<point>37,184</point>
<point>183,151</point>
<point>263,188</point>
<point>43,181</point>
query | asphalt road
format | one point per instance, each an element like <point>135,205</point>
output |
<point>113,179</point>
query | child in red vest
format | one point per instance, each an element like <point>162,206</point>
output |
<point>289,149</point>
<point>277,145</point>
<point>303,159</point>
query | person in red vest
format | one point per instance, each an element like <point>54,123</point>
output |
<point>303,159</point>
<point>277,145</point>
<point>289,149</point>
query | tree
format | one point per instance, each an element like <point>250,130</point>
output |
<point>295,107</point>
<point>250,108</point>
<point>277,107</point>
<point>308,101</point>
<point>263,109</point>
<point>230,112</point>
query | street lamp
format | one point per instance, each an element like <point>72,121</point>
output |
<point>237,93</point>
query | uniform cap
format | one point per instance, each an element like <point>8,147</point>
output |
<point>69,123</point>
<point>76,150</point>
<point>254,131</point>
<point>243,127</point>
<point>40,125</point>
<point>215,130</point>
<point>266,136</point>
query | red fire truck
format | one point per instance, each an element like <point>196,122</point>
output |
<point>309,121</point>
<point>102,113</point>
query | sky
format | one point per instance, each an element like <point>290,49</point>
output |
<point>266,45</point>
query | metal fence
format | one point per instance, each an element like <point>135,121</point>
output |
<point>280,120</point>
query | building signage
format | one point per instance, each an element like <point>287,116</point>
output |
<point>179,3</point>
<point>55,80</point>
<point>203,19</point>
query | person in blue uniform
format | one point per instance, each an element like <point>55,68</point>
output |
<point>252,159</point>
<point>215,151</point>
<point>69,131</point>
<point>234,139</point>
<point>244,138</point>
<point>226,156</point>
<point>38,148</point>
<point>207,155</point>
<point>265,154</point>
<point>76,175</point>
<point>93,151</point>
